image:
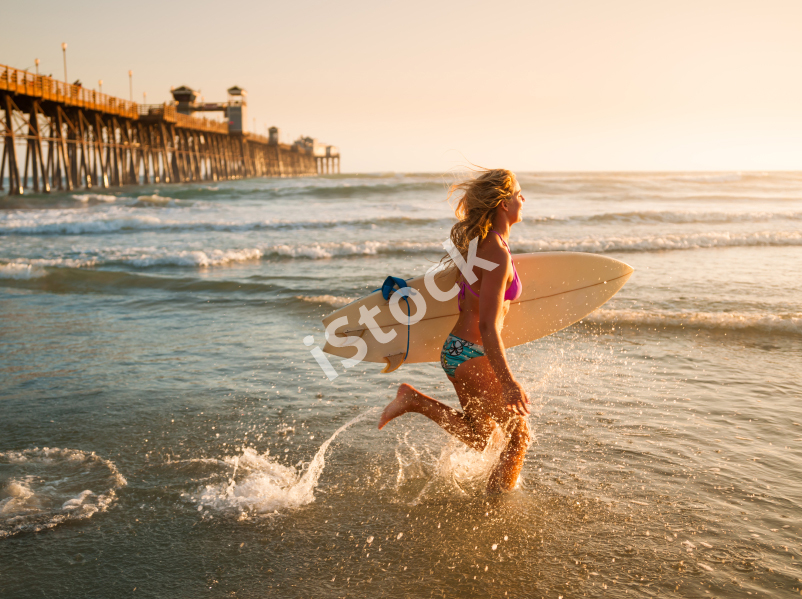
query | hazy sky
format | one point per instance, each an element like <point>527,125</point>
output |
<point>415,86</point>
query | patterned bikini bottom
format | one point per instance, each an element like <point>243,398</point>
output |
<point>456,351</point>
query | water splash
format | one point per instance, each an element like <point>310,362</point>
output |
<point>266,486</point>
<point>462,469</point>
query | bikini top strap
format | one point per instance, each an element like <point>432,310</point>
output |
<point>509,251</point>
<point>502,240</point>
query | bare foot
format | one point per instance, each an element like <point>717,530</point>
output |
<point>404,402</point>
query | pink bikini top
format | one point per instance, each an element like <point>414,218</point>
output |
<point>512,293</point>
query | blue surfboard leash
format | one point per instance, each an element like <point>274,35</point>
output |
<point>387,289</point>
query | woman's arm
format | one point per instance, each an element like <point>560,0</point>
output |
<point>491,310</point>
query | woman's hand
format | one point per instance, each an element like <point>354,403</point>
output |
<point>515,398</point>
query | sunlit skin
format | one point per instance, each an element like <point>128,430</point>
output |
<point>488,392</point>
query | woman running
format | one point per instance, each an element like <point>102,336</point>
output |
<point>473,355</point>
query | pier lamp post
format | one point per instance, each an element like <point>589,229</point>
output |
<point>144,97</point>
<point>36,62</point>
<point>64,51</point>
<point>100,85</point>
<point>131,85</point>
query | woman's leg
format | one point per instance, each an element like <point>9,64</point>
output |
<point>511,462</point>
<point>473,426</point>
<point>409,399</point>
<point>480,394</point>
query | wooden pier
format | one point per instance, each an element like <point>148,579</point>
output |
<point>61,136</point>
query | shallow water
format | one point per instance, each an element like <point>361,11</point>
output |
<point>165,428</point>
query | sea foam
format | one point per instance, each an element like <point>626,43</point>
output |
<point>21,270</point>
<point>44,487</point>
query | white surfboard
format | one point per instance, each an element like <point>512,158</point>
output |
<point>559,289</point>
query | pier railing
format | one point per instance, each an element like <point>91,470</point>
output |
<point>49,89</point>
<point>44,88</point>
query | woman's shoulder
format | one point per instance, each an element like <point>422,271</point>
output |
<point>493,249</point>
<point>491,246</point>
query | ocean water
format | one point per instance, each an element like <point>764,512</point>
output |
<point>165,432</point>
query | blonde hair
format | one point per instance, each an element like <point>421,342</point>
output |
<point>481,195</point>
